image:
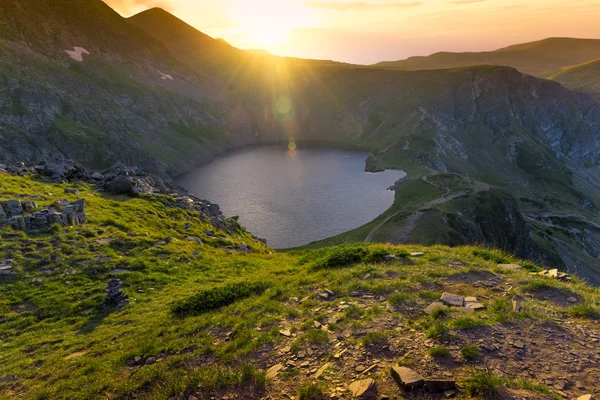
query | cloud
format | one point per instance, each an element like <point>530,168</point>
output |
<point>461,2</point>
<point>131,6</point>
<point>360,6</point>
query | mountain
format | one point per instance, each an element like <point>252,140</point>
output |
<point>499,157</point>
<point>122,98</point>
<point>150,299</point>
<point>208,54</point>
<point>584,76</point>
<point>541,58</point>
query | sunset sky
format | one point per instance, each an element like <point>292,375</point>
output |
<point>368,31</point>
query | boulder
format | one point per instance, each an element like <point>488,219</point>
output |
<point>14,208</point>
<point>97,176</point>
<point>452,299</point>
<point>363,388</point>
<point>120,185</point>
<point>406,378</point>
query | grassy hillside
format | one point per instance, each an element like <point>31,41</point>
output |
<point>584,77</point>
<point>203,321</point>
<point>539,58</point>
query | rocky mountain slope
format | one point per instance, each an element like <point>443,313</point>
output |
<point>540,58</point>
<point>151,298</point>
<point>80,82</point>
<point>154,92</point>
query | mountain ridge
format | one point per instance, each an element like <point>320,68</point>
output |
<point>540,58</point>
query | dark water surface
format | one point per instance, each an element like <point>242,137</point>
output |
<point>294,198</point>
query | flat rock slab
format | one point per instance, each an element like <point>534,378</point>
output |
<point>475,306</point>
<point>285,332</point>
<point>439,385</point>
<point>510,267</point>
<point>75,355</point>
<point>407,378</point>
<point>363,388</point>
<point>434,306</point>
<point>322,370</point>
<point>586,397</point>
<point>274,371</point>
<point>452,299</point>
<point>417,254</point>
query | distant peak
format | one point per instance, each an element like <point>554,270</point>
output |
<point>153,11</point>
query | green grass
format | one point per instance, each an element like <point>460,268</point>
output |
<point>470,352</point>
<point>484,384</point>
<point>311,391</point>
<point>439,351</point>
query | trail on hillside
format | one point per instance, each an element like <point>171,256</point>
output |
<point>411,220</point>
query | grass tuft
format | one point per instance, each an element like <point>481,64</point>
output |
<point>440,351</point>
<point>484,384</point>
<point>470,352</point>
<point>311,391</point>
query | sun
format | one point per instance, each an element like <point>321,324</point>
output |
<point>266,23</point>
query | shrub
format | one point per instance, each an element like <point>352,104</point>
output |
<point>470,352</point>
<point>484,384</point>
<point>344,256</point>
<point>311,391</point>
<point>440,351</point>
<point>217,297</point>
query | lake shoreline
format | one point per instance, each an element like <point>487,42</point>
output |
<point>274,190</point>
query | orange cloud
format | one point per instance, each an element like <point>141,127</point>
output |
<point>360,6</point>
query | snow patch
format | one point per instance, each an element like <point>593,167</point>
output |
<point>77,53</point>
<point>166,77</point>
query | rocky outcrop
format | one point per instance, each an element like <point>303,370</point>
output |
<point>117,180</point>
<point>115,297</point>
<point>23,215</point>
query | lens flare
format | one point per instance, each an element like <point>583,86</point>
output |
<point>283,106</point>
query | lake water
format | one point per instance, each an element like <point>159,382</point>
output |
<point>292,198</point>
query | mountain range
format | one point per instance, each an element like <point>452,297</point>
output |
<point>514,154</point>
